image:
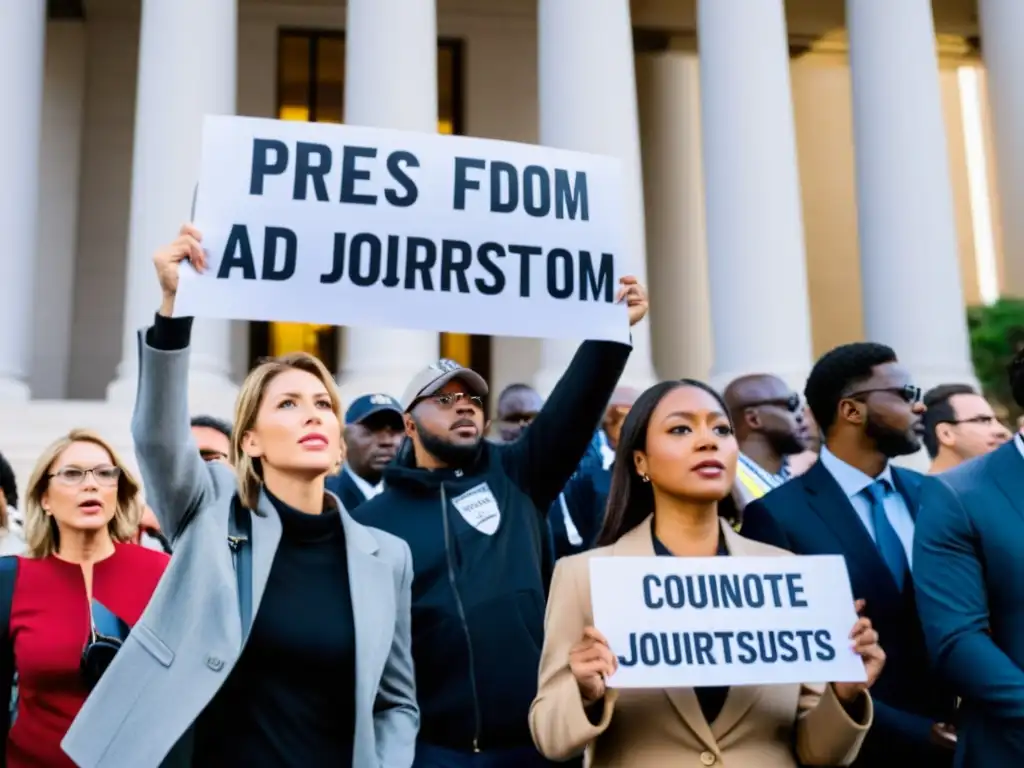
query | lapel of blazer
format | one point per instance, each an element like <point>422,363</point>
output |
<point>1006,467</point>
<point>266,535</point>
<point>372,587</point>
<point>741,697</point>
<point>908,483</point>
<point>638,543</point>
<point>829,502</point>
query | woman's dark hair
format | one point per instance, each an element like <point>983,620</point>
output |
<point>630,499</point>
<point>8,484</point>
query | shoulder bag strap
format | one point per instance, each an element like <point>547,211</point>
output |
<point>239,538</point>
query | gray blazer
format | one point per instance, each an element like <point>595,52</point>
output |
<point>190,636</point>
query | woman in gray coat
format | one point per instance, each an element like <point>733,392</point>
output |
<point>280,634</point>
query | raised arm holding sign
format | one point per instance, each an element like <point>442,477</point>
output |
<point>317,223</point>
<point>700,655</point>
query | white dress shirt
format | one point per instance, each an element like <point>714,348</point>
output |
<point>368,490</point>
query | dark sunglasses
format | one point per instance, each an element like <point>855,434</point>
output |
<point>908,393</point>
<point>791,403</point>
<point>107,634</point>
<point>522,419</point>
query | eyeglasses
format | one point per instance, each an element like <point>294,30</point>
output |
<point>985,421</point>
<point>448,400</point>
<point>908,393</point>
<point>104,475</point>
<point>791,403</point>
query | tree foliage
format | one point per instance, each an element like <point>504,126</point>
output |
<point>997,333</point>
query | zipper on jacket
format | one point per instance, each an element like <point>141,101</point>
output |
<point>462,618</point>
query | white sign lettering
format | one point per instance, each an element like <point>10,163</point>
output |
<point>711,621</point>
<point>345,225</point>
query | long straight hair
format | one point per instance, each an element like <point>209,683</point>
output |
<point>630,499</point>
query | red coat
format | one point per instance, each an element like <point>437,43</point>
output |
<point>50,627</point>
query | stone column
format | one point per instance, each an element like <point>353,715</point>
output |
<point>187,63</point>
<point>677,265</point>
<point>390,82</point>
<point>760,314</point>
<point>1001,25</point>
<point>22,46</point>
<point>587,89</point>
<point>908,242</point>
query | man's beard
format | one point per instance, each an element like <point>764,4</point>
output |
<point>890,442</point>
<point>452,454</point>
<point>785,443</point>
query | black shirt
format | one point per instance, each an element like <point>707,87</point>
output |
<point>290,700</point>
<point>711,700</point>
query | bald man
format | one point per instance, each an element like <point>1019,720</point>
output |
<point>770,427</point>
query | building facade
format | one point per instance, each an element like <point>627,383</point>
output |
<point>822,172</point>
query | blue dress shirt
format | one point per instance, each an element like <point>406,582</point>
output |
<point>853,482</point>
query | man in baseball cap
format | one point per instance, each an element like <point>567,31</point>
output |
<point>373,432</point>
<point>474,514</point>
<point>435,376</point>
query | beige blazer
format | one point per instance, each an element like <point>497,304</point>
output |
<point>653,728</point>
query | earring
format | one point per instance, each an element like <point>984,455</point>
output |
<point>645,478</point>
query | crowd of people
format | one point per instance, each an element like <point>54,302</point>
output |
<point>401,583</point>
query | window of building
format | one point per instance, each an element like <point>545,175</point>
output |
<point>310,87</point>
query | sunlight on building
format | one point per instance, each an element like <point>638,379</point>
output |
<point>978,184</point>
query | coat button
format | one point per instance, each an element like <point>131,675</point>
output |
<point>707,758</point>
<point>218,664</point>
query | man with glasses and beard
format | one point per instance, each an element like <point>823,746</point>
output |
<point>474,515</point>
<point>853,502</point>
<point>769,421</point>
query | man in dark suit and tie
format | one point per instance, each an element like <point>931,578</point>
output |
<point>854,503</point>
<point>373,432</point>
<point>969,578</point>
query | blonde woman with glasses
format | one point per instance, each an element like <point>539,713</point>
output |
<point>69,604</point>
<point>281,635</point>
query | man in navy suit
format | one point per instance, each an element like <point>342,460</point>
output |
<point>373,432</point>
<point>969,577</point>
<point>854,503</point>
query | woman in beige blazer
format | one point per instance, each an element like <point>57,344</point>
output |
<point>675,461</point>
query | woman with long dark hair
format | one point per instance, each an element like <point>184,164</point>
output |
<point>674,463</point>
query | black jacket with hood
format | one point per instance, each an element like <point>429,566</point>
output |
<point>479,545</point>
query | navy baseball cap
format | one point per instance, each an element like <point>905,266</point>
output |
<point>368,405</point>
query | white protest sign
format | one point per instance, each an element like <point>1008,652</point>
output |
<point>683,622</point>
<point>344,225</point>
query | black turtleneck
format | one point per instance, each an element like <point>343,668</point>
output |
<point>290,700</point>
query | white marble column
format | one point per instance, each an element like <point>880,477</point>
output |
<point>760,314</point>
<point>22,46</point>
<point>390,82</point>
<point>1001,24</point>
<point>668,86</point>
<point>907,230</point>
<point>187,65</point>
<point>587,92</point>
